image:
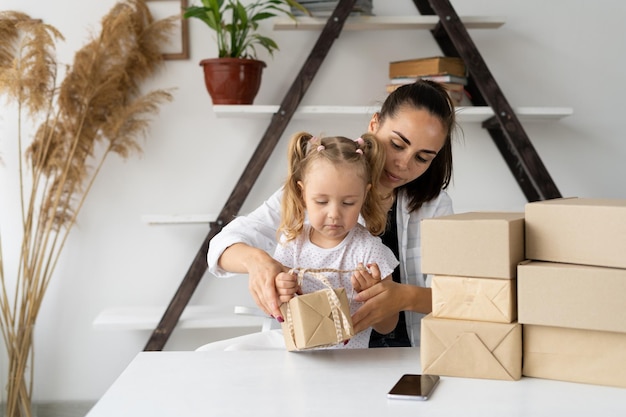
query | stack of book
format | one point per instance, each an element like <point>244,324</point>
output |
<point>324,8</point>
<point>449,71</point>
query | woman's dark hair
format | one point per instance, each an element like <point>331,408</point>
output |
<point>432,97</point>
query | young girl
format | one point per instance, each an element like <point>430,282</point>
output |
<point>330,182</point>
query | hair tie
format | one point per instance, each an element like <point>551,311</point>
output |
<point>320,148</point>
<point>359,141</point>
<point>359,150</point>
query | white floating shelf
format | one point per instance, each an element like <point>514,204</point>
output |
<point>470,114</point>
<point>479,114</point>
<point>153,219</point>
<point>387,22</point>
<point>193,317</point>
<point>302,112</point>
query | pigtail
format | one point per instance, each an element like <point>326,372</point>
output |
<point>373,212</point>
<point>292,204</point>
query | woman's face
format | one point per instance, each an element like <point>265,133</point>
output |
<point>412,139</point>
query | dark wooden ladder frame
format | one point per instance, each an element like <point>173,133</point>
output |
<point>454,40</point>
<point>504,127</point>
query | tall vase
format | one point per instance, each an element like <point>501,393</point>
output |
<point>17,375</point>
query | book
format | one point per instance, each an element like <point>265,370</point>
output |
<point>325,8</point>
<point>443,78</point>
<point>427,66</point>
<point>448,86</point>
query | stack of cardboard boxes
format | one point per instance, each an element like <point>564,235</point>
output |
<point>572,294</point>
<point>472,330</point>
<point>569,259</point>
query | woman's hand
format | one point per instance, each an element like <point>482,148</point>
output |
<point>380,302</point>
<point>387,298</point>
<point>262,271</point>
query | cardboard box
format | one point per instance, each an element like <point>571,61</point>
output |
<point>309,321</point>
<point>577,230</point>
<point>475,244</point>
<point>591,357</point>
<point>573,296</point>
<point>471,349</point>
<point>467,298</point>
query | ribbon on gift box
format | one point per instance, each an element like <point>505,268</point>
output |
<point>340,320</point>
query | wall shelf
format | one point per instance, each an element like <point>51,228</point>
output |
<point>165,219</point>
<point>193,317</point>
<point>470,114</point>
<point>387,22</point>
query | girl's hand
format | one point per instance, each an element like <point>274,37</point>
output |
<point>287,286</point>
<point>363,279</point>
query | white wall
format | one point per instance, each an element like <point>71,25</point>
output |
<point>557,53</point>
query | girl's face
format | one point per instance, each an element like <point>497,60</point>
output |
<point>412,139</point>
<point>333,196</point>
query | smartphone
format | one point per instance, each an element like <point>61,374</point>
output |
<point>414,387</point>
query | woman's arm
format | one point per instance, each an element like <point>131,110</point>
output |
<point>262,272</point>
<point>256,230</point>
<point>243,246</point>
<point>389,298</point>
<point>386,325</point>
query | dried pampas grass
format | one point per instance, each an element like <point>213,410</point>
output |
<point>96,111</point>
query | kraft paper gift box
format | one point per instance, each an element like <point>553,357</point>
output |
<point>471,349</point>
<point>582,231</point>
<point>575,355</point>
<point>474,244</point>
<point>571,296</point>
<point>468,298</point>
<point>309,321</point>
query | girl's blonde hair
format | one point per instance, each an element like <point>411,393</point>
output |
<point>365,155</point>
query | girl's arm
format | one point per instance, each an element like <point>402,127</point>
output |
<point>287,286</point>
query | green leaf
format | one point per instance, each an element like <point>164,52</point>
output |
<point>235,24</point>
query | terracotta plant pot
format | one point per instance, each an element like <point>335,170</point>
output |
<point>232,80</point>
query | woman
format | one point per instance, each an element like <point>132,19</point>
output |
<point>414,125</point>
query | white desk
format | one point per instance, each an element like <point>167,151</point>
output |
<point>330,383</point>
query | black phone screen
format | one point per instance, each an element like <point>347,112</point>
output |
<point>414,387</point>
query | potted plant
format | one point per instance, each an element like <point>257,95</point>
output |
<point>235,76</point>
